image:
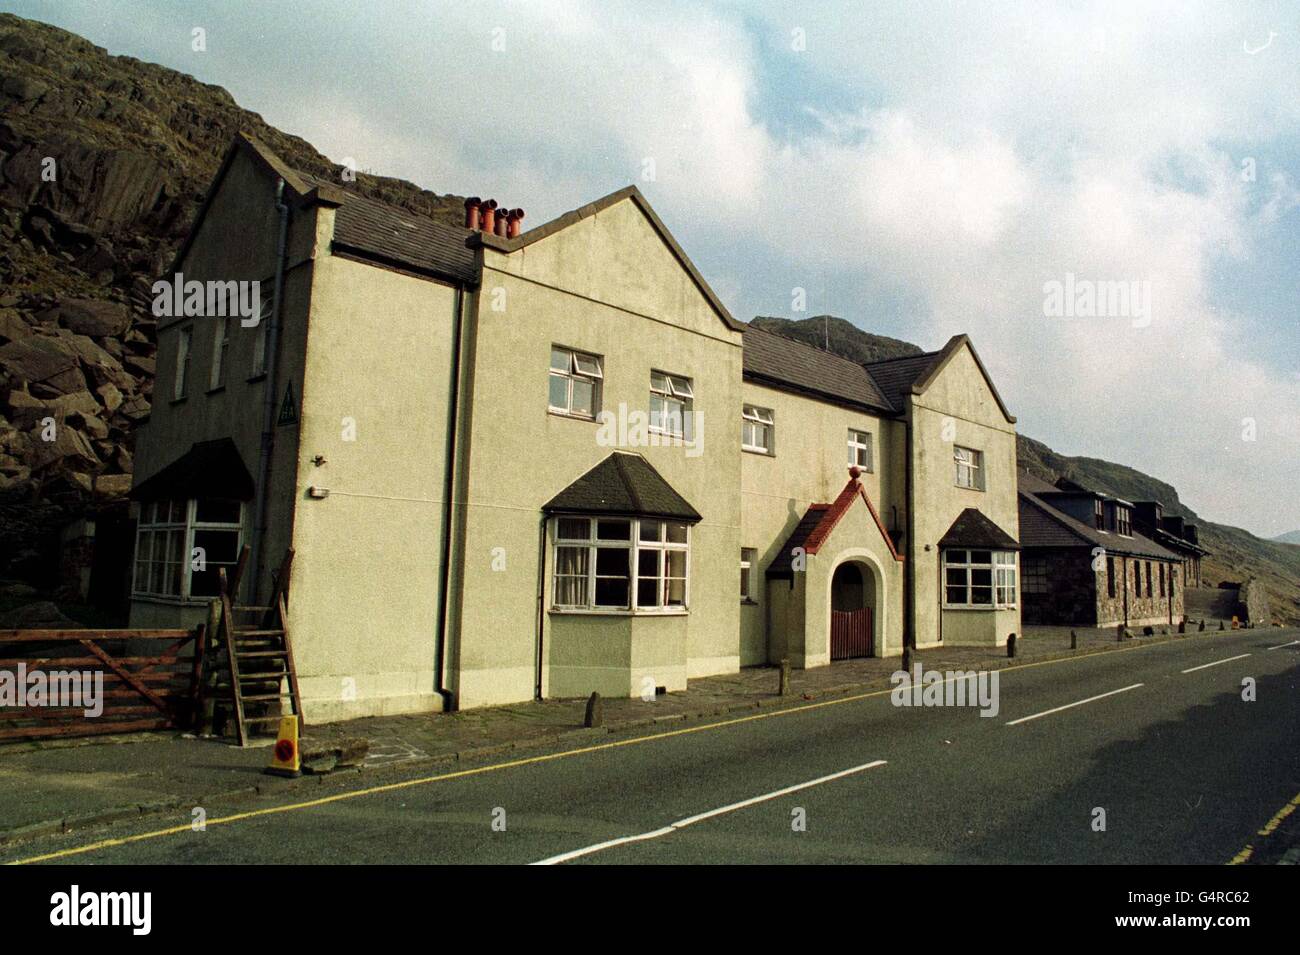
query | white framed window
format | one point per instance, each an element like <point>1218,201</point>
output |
<point>637,565</point>
<point>671,397</point>
<point>262,337</point>
<point>1123,522</point>
<point>982,579</point>
<point>969,465</point>
<point>757,428</point>
<point>574,383</point>
<point>220,347</point>
<point>860,449</point>
<point>748,562</point>
<point>181,545</point>
<point>184,341</point>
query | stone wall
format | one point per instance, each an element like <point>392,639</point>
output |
<point>1070,598</point>
<point>1254,598</point>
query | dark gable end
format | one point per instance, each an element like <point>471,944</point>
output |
<point>209,469</point>
<point>623,485</point>
<point>973,530</point>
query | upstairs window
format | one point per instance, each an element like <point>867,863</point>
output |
<point>756,429</point>
<point>1099,514</point>
<point>969,465</point>
<point>860,449</point>
<point>671,398</point>
<point>184,340</point>
<point>1123,521</point>
<point>629,564</point>
<point>220,346</point>
<point>575,383</point>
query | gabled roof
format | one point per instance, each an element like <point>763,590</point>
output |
<point>782,362</point>
<point>914,374</point>
<point>211,469</point>
<point>626,485</point>
<point>815,527</point>
<point>363,227</point>
<point>502,244</point>
<point>972,529</point>
<point>1042,525</point>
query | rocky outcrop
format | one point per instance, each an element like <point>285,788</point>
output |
<point>103,163</point>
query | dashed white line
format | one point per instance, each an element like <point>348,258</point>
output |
<point>692,820</point>
<point>1100,696</point>
<point>1281,645</point>
<point>1240,656</point>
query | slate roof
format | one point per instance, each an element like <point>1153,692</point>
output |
<point>377,230</point>
<point>1042,525</point>
<point>783,362</point>
<point>208,469</point>
<point>623,484</point>
<point>973,529</point>
<point>895,376</point>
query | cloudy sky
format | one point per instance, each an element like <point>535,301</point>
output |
<point>919,169</point>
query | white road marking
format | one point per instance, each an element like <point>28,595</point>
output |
<point>1240,656</point>
<point>1281,645</point>
<point>1101,696</point>
<point>692,820</point>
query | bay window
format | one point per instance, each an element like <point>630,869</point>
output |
<point>984,579</point>
<point>620,563</point>
<point>182,544</point>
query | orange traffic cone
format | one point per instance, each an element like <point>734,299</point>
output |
<point>285,757</point>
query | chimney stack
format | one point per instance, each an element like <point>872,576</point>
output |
<point>512,223</point>
<point>501,222</point>
<point>471,212</point>
<point>488,216</point>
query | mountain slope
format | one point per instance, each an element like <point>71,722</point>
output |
<point>103,163</point>
<point>1290,537</point>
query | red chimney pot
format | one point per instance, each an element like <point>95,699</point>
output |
<point>488,216</point>
<point>471,212</point>
<point>512,222</point>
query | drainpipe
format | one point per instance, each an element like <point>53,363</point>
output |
<point>262,504</point>
<point>909,582</point>
<point>541,603</point>
<point>448,490</point>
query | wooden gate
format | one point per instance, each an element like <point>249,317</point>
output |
<point>851,634</point>
<point>150,680</point>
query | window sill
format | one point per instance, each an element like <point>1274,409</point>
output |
<point>590,419</point>
<point>252,379</point>
<point>985,608</point>
<point>748,602</point>
<point>577,612</point>
<point>759,451</point>
<point>963,487</point>
<point>215,391</point>
<point>179,401</point>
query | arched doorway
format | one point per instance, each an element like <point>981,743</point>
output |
<point>853,601</point>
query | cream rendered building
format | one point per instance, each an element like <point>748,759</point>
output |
<point>551,463</point>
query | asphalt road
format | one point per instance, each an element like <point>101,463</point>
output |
<point>1185,770</point>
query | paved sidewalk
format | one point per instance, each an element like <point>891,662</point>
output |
<point>50,787</point>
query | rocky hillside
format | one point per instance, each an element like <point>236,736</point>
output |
<point>845,338</point>
<point>1235,555</point>
<point>103,163</point>
<point>1290,537</point>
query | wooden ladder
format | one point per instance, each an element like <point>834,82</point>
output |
<point>259,651</point>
